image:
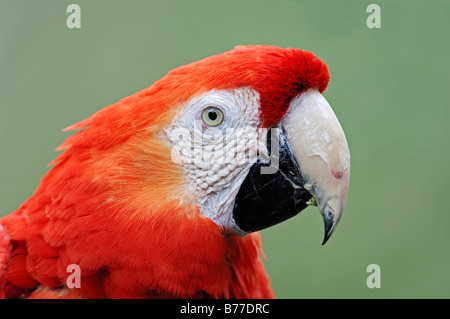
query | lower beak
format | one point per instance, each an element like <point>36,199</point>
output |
<point>312,161</point>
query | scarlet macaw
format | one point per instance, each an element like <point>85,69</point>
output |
<point>148,202</point>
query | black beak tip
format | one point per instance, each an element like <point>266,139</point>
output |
<point>328,220</point>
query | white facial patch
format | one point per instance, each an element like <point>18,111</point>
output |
<point>217,159</point>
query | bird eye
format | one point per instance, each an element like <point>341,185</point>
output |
<point>212,116</point>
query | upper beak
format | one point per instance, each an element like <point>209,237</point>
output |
<point>321,151</point>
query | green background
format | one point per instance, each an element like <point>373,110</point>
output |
<point>389,88</point>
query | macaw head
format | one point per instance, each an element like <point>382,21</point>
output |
<point>243,138</point>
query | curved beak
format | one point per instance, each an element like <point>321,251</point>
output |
<point>312,166</point>
<point>321,151</point>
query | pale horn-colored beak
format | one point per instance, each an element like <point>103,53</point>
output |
<point>321,151</point>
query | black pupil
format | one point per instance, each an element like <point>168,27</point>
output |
<point>212,115</point>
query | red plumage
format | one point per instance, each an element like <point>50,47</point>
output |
<point>113,202</point>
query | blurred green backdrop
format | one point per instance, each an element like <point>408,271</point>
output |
<point>389,88</point>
